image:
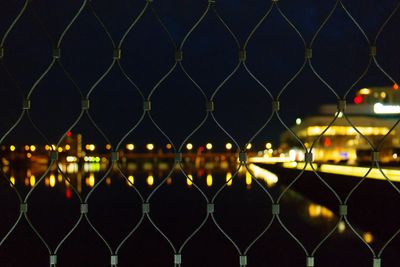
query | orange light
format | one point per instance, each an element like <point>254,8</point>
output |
<point>395,86</point>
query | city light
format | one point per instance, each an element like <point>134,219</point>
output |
<point>60,149</point>
<point>130,147</point>
<point>228,178</point>
<point>341,227</point>
<point>52,180</point>
<point>150,180</point>
<point>168,146</point>
<point>248,178</point>
<point>298,121</point>
<point>268,145</point>
<point>315,211</point>
<point>395,86</point>
<point>12,148</point>
<point>209,146</point>
<point>209,180</point>
<point>189,146</point>
<point>368,237</point>
<point>33,148</point>
<point>189,180</point>
<point>32,180</point>
<point>379,108</point>
<point>358,100</point>
<point>131,180</point>
<point>91,180</point>
<point>12,180</point>
<point>228,146</point>
<point>90,147</point>
<point>150,147</point>
<point>67,147</point>
<point>28,155</point>
<point>108,147</point>
<point>27,148</point>
<point>365,91</point>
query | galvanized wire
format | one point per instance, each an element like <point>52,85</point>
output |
<point>178,250</point>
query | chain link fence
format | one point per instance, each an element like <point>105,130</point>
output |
<point>208,103</point>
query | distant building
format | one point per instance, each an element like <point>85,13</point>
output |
<point>374,112</point>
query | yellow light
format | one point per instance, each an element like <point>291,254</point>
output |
<point>209,146</point>
<point>314,210</point>
<point>189,146</point>
<point>52,180</point>
<point>92,180</point>
<point>92,147</point>
<point>60,149</point>
<point>131,180</point>
<point>248,178</point>
<point>298,121</point>
<point>341,227</point>
<point>228,146</point>
<point>209,180</point>
<point>12,180</point>
<point>32,180</point>
<point>108,146</point>
<point>130,147</point>
<point>47,147</point>
<point>28,155</point>
<point>150,180</point>
<point>33,148</point>
<point>228,178</point>
<point>168,146</point>
<point>12,148</point>
<point>150,147</point>
<point>189,180</point>
<point>368,237</point>
<point>67,147</point>
<point>108,181</point>
<point>365,91</point>
<point>249,145</point>
<point>53,147</point>
<point>27,148</point>
<point>268,145</point>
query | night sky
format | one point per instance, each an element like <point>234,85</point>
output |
<point>274,54</point>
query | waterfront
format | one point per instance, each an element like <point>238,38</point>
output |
<point>242,209</point>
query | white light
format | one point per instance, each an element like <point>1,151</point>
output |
<point>298,121</point>
<point>379,108</point>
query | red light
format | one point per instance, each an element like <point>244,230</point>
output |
<point>395,86</point>
<point>327,142</point>
<point>358,100</point>
<point>68,193</point>
<point>69,134</point>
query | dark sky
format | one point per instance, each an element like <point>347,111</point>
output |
<point>274,54</point>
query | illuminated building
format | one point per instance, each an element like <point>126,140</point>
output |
<point>374,112</point>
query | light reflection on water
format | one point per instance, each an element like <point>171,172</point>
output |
<point>85,178</point>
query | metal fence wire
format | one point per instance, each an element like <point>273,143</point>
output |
<point>87,9</point>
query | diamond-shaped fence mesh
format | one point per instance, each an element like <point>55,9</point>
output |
<point>130,71</point>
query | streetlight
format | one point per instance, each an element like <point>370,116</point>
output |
<point>228,146</point>
<point>209,146</point>
<point>189,146</point>
<point>150,147</point>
